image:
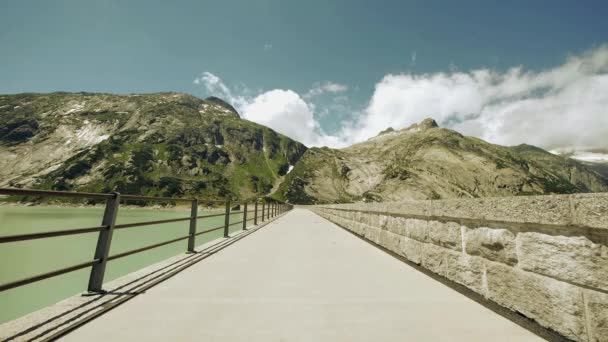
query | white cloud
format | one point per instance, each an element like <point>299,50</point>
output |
<point>280,109</point>
<point>213,84</point>
<point>284,111</point>
<point>565,107</point>
<point>326,87</point>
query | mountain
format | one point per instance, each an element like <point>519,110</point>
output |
<point>427,162</point>
<point>164,144</point>
<point>595,159</point>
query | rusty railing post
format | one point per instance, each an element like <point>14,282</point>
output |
<point>192,232</point>
<point>245,216</point>
<point>255,213</point>
<point>227,219</point>
<point>263,218</point>
<point>103,244</point>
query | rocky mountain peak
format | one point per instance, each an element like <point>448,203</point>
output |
<point>428,123</point>
<point>223,104</point>
<point>388,130</point>
<point>425,124</point>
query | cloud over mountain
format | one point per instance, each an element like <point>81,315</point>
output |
<point>564,107</point>
<point>557,108</point>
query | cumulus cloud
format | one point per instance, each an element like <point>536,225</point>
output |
<point>283,110</point>
<point>565,107</point>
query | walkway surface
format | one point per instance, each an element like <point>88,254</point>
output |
<point>301,278</point>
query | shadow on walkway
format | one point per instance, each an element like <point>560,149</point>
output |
<point>98,304</point>
<point>513,316</point>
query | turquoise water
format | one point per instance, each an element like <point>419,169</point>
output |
<point>26,258</point>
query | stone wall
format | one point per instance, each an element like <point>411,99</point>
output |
<point>545,257</point>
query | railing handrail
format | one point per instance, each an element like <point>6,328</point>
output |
<point>108,225</point>
<point>101,195</point>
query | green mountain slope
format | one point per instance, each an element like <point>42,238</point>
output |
<point>428,162</point>
<point>165,144</point>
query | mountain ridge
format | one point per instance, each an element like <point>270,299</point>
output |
<point>175,144</point>
<point>425,161</point>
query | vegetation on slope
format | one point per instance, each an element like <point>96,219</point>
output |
<point>165,144</point>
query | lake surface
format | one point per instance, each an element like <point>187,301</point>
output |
<point>26,258</point>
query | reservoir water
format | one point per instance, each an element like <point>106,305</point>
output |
<point>26,258</point>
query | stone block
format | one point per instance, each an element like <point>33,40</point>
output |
<point>467,270</point>
<point>396,225</point>
<point>434,258</point>
<point>493,244</point>
<point>410,249</point>
<point>357,216</point>
<point>572,258</point>
<point>416,229</point>
<point>389,241</point>
<point>553,304</point>
<point>546,209</point>
<point>597,315</point>
<point>362,217</point>
<point>361,229</point>
<point>367,218</point>
<point>590,210</point>
<point>348,224</point>
<point>445,234</point>
<point>423,208</point>
<point>372,234</point>
<point>461,208</point>
<point>355,228</point>
<point>382,221</point>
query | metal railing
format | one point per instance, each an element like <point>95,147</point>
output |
<point>108,226</point>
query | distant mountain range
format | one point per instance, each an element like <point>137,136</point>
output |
<point>173,144</point>
<point>595,159</point>
<point>428,162</point>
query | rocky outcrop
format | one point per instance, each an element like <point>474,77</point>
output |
<point>545,257</point>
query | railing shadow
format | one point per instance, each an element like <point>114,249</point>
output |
<point>104,302</point>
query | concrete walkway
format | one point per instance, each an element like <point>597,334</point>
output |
<point>301,278</point>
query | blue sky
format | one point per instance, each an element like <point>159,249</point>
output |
<point>321,70</point>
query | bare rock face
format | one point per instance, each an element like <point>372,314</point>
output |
<point>425,124</point>
<point>223,104</point>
